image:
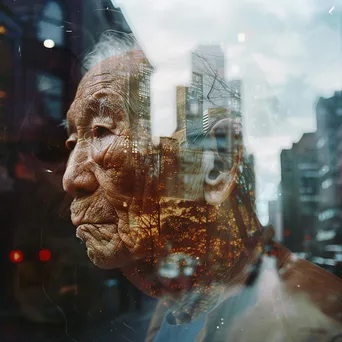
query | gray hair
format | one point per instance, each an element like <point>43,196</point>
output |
<point>111,43</point>
<point>132,63</point>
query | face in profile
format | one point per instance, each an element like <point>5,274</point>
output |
<point>138,199</point>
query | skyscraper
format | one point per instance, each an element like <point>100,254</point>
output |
<point>208,64</point>
<point>328,143</point>
<point>181,106</point>
<point>299,171</point>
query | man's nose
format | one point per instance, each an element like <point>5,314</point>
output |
<point>78,179</point>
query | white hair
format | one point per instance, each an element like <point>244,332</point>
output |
<point>111,43</point>
<point>127,73</point>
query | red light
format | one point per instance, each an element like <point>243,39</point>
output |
<point>287,232</point>
<point>308,237</point>
<point>16,256</point>
<point>44,255</point>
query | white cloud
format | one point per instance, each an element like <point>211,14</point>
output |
<point>292,48</point>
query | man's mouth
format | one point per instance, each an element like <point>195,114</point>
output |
<point>100,231</point>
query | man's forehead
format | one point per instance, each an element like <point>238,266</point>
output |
<point>101,87</point>
<point>109,68</point>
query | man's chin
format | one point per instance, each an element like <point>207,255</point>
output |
<point>107,258</point>
<point>105,254</point>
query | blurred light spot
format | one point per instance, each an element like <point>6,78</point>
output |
<point>49,43</point>
<point>68,288</point>
<point>16,256</point>
<point>169,272</point>
<point>235,69</point>
<point>111,283</point>
<point>2,29</point>
<point>287,232</point>
<point>327,183</point>
<point>188,271</point>
<point>48,171</point>
<point>308,237</point>
<point>44,255</point>
<point>241,37</point>
<point>3,94</point>
<point>331,9</point>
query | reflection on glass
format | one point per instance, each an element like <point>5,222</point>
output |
<point>51,22</point>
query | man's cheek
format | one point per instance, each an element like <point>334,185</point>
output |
<point>110,152</point>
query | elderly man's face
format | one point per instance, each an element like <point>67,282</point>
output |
<point>133,199</point>
<point>113,173</point>
<point>99,175</point>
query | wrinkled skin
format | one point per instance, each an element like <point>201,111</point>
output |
<point>98,174</point>
<point>119,196</point>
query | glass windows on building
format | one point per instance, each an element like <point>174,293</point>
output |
<point>323,170</point>
<point>50,89</point>
<point>50,28</point>
<point>328,214</point>
<point>327,183</point>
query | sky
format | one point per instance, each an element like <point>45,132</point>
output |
<point>291,49</point>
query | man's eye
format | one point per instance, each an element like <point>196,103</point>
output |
<point>100,131</point>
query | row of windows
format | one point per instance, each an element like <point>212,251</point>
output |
<point>51,24</point>
<point>328,214</point>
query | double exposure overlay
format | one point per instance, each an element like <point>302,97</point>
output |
<point>170,180</point>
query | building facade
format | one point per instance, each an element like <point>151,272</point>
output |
<point>181,106</point>
<point>299,193</point>
<point>328,143</point>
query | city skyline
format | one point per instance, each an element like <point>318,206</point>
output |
<point>282,44</point>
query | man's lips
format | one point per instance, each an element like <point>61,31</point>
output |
<point>78,221</point>
<point>86,229</point>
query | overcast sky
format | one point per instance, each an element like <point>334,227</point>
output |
<point>292,48</point>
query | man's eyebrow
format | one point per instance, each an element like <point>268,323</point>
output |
<point>64,124</point>
<point>104,106</point>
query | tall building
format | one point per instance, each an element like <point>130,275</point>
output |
<point>328,143</point>
<point>55,36</point>
<point>252,180</point>
<point>181,106</point>
<point>234,96</point>
<point>209,97</point>
<point>299,193</point>
<point>208,62</point>
<point>275,218</point>
<point>208,87</point>
<point>194,117</point>
<point>144,89</point>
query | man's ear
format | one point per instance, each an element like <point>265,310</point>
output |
<point>222,157</point>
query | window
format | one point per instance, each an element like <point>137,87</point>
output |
<point>324,170</point>
<point>328,214</point>
<point>50,89</point>
<point>327,183</point>
<point>51,24</point>
<point>307,166</point>
<point>320,143</point>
